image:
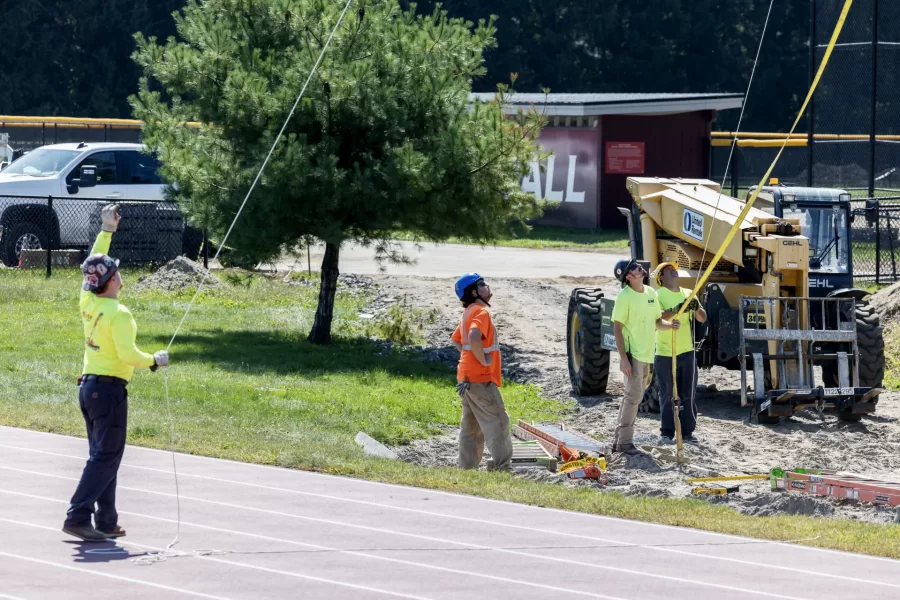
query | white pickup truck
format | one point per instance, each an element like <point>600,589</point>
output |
<point>122,172</point>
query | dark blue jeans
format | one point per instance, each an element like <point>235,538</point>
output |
<point>685,373</point>
<point>105,409</point>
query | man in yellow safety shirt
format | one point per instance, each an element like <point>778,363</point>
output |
<point>636,317</point>
<point>110,357</point>
<point>671,297</point>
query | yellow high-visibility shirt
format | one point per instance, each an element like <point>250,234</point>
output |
<point>683,340</point>
<point>638,314</point>
<point>109,331</point>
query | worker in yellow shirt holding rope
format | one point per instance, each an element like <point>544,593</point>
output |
<point>671,298</point>
<point>110,357</point>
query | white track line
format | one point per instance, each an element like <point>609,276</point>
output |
<point>8,597</point>
<point>338,550</point>
<point>470,498</point>
<point>238,564</point>
<point>567,561</point>
<point>508,525</point>
<point>111,576</point>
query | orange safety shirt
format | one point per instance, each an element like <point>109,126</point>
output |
<point>478,317</point>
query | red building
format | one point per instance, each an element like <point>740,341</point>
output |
<point>598,140</point>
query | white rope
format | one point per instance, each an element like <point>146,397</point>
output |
<point>762,38</point>
<point>162,555</point>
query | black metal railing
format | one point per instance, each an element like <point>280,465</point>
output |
<point>48,231</point>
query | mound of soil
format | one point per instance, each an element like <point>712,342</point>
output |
<point>887,302</point>
<point>178,274</point>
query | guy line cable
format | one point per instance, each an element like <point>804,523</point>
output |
<point>151,558</point>
<point>749,204</point>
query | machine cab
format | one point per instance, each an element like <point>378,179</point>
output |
<point>825,215</point>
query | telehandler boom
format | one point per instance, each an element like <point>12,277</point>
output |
<point>761,318</point>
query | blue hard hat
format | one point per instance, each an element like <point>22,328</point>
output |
<point>464,282</point>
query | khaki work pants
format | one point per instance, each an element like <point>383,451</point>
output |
<point>635,386</point>
<point>484,420</point>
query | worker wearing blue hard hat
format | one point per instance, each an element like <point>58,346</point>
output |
<point>484,417</point>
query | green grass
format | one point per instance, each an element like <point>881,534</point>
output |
<point>559,238</point>
<point>892,356</point>
<point>245,385</point>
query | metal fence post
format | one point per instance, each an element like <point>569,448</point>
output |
<point>811,115</point>
<point>891,243</point>
<point>49,230</point>
<point>874,98</point>
<point>877,244</point>
<point>734,169</point>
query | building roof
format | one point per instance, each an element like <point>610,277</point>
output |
<point>589,105</point>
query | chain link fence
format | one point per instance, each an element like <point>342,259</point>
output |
<point>875,235</point>
<point>853,122</point>
<point>43,232</point>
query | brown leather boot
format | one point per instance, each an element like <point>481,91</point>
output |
<point>114,533</point>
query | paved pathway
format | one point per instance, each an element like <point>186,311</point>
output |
<point>452,260</point>
<point>255,532</point>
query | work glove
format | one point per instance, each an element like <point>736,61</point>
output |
<point>161,358</point>
<point>694,304</point>
<point>110,217</point>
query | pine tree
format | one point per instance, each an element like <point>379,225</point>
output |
<point>384,139</point>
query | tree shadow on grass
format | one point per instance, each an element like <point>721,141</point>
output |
<point>288,353</point>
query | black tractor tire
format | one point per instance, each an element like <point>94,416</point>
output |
<point>870,342</point>
<point>18,234</point>
<point>650,401</point>
<point>588,361</point>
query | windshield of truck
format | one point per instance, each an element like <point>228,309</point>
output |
<point>43,162</point>
<point>827,231</point>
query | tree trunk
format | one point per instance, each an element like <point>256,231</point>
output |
<point>321,329</point>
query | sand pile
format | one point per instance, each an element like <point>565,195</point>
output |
<point>178,274</point>
<point>887,302</point>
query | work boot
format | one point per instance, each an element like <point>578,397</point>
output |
<point>665,440</point>
<point>85,533</point>
<point>690,439</point>
<point>629,449</point>
<point>115,532</point>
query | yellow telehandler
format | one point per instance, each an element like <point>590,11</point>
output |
<point>780,302</point>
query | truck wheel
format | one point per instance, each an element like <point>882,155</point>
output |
<point>650,401</point>
<point>588,361</point>
<point>870,341</point>
<point>22,236</point>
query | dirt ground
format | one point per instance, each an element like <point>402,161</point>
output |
<point>531,318</point>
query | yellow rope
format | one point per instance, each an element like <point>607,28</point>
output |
<point>740,219</point>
